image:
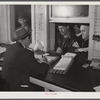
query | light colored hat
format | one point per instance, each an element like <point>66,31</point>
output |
<point>20,33</point>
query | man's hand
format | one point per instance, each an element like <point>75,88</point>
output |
<point>44,59</point>
<point>81,50</point>
<point>75,44</point>
<point>59,50</point>
<point>85,65</point>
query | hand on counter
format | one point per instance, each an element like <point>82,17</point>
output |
<point>85,65</point>
<point>81,50</point>
<point>44,59</point>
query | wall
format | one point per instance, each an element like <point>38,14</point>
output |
<point>96,45</point>
<point>40,25</point>
<point>4,23</point>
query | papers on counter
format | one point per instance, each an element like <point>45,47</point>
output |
<point>97,88</point>
<point>49,58</point>
<point>95,64</point>
<point>64,64</point>
<point>72,55</point>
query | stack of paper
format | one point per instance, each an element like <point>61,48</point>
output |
<point>64,64</point>
<point>95,64</point>
<point>70,55</point>
<point>51,59</point>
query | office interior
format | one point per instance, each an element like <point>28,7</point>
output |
<point>43,21</point>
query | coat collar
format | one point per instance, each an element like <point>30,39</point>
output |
<point>20,44</point>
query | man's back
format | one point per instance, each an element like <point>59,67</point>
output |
<point>19,63</point>
<point>14,57</point>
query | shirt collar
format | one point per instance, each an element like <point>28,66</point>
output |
<point>23,45</point>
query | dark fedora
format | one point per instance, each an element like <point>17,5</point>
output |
<point>21,33</point>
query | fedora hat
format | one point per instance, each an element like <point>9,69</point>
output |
<point>21,33</point>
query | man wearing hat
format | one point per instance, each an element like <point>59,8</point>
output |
<point>19,63</point>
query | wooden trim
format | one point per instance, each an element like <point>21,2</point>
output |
<point>33,24</point>
<point>12,20</point>
<point>5,23</point>
<point>91,31</point>
<point>70,20</point>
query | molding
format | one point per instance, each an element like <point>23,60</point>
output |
<point>91,31</point>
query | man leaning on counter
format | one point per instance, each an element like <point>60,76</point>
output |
<point>19,63</point>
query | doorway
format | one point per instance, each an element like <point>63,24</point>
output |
<point>19,11</point>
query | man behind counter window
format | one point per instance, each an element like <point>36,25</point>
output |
<point>19,63</point>
<point>85,41</point>
<point>65,39</point>
<point>82,51</point>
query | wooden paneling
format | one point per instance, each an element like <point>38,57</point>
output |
<point>4,23</point>
<point>41,25</point>
<point>96,49</point>
<point>96,54</point>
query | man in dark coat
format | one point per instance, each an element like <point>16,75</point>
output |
<point>65,39</point>
<point>19,63</point>
<point>83,49</point>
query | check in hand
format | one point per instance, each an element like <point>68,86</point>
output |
<point>81,50</point>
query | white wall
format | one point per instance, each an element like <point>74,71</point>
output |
<point>96,45</point>
<point>4,24</point>
<point>40,25</point>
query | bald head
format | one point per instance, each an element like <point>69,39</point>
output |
<point>84,31</point>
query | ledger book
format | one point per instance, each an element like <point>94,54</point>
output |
<point>64,64</point>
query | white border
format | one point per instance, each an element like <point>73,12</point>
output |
<point>49,3</point>
<point>50,95</point>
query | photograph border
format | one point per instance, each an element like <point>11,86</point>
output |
<point>49,95</point>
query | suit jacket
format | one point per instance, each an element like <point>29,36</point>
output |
<point>64,43</point>
<point>19,63</point>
